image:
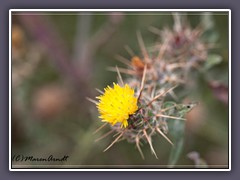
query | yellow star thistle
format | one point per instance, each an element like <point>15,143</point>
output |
<point>116,104</point>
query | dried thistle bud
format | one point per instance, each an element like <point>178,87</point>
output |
<point>17,37</point>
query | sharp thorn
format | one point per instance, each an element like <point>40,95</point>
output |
<point>171,117</point>
<point>98,129</point>
<point>160,132</point>
<point>105,135</point>
<point>92,100</point>
<point>113,142</point>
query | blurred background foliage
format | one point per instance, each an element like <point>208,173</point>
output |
<point>58,59</point>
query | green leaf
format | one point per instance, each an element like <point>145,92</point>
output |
<point>175,152</point>
<point>178,141</point>
<point>176,127</point>
<point>213,60</point>
<point>207,21</point>
<point>210,36</point>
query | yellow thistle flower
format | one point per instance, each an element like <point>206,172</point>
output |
<point>116,104</point>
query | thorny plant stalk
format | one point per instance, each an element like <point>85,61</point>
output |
<point>137,109</point>
<point>49,38</point>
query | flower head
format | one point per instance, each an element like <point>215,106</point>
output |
<point>116,104</point>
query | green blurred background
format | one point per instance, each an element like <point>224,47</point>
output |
<point>58,59</point>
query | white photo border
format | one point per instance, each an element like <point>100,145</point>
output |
<point>58,168</point>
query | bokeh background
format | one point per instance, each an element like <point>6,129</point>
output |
<point>59,58</point>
